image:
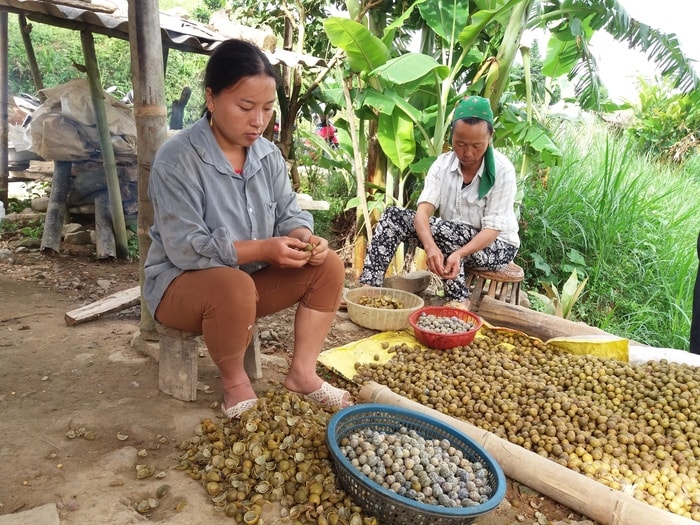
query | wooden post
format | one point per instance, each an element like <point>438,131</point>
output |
<point>4,126</point>
<point>148,73</point>
<point>104,235</point>
<point>56,210</point>
<point>110,164</point>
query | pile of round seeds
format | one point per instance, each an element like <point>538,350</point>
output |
<point>272,462</point>
<point>631,427</point>
<point>430,471</point>
<point>443,324</point>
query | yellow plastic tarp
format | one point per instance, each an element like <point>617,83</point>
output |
<point>376,349</point>
<point>605,346</point>
<point>342,359</point>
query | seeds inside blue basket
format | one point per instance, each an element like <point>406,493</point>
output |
<point>431,471</point>
<point>392,507</point>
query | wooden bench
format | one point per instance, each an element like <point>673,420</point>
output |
<point>178,361</point>
<point>502,285</point>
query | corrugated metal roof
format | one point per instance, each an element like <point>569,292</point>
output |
<point>111,18</point>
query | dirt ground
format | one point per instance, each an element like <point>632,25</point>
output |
<point>81,406</point>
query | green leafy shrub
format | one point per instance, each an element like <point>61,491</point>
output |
<point>627,224</point>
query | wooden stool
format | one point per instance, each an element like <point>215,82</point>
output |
<point>502,285</point>
<point>177,361</point>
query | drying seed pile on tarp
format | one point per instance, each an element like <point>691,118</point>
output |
<point>631,427</point>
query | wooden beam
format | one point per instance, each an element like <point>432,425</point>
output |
<point>112,303</point>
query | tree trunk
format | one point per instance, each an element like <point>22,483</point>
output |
<point>26,31</point>
<point>177,112</point>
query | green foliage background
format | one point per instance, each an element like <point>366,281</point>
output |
<point>620,208</point>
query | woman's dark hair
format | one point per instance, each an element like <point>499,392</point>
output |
<point>232,61</point>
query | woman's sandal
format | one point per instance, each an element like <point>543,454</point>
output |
<point>237,410</point>
<point>330,397</point>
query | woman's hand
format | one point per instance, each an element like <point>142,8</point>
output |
<point>286,252</point>
<point>435,260</point>
<point>319,252</point>
<point>452,266</point>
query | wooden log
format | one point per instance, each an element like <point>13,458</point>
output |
<point>104,234</point>
<point>56,210</point>
<point>112,303</point>
<point>580,493</point>
<point>533,323</point>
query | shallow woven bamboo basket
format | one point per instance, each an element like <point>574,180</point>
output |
<point>382,319</point>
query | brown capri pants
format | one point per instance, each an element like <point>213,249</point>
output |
<point>223,303</point>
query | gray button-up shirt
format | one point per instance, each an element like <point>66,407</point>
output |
<point>202,206</point>
<point>443,189</point>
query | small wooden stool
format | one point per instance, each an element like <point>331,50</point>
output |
<point>502,285</point>
<point>178,366</point>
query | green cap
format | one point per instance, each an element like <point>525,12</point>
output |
<point>474,106</point>
<point>479,107</point>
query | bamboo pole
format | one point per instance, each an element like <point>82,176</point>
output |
<point>575,491</point>
<point>108,159</point>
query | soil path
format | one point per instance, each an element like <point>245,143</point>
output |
<point>81,407</point>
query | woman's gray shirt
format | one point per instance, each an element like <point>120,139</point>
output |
<point>202,206</point>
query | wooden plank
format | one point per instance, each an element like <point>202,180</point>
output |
<point>112,303</point>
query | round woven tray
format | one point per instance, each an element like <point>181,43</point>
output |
<point>382,319</point>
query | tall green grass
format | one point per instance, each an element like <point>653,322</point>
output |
<point>627,223</point>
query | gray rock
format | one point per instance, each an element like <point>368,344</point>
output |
<point>72,227</point>
<point>81,237</point>
<point>40,204</point>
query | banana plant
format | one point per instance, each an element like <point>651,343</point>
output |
<point>561,304</point>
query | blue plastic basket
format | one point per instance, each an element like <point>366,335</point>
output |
<point>386,505</point>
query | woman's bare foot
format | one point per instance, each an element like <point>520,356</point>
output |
<point>463,305</point>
